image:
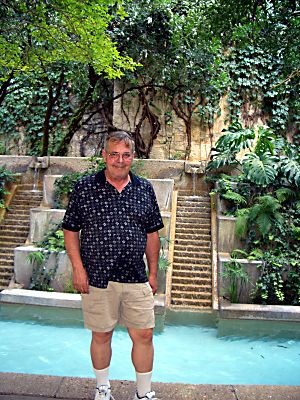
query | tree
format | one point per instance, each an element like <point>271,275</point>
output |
<point>38,36</point>
<point>40,32</point>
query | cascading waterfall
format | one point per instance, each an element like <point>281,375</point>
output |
<point>37,167</point>
<point>194,179</point>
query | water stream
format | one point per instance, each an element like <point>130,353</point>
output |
<point>37,167</point>
<point>190,347</point>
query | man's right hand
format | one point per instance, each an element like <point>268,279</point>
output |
<point>81,280</point>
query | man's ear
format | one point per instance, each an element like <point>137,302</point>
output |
<point>104,155</point>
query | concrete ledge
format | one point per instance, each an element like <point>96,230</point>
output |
<point>35,387</point>
<point>58,299</point>
<point>259,312</point>
<point>39,298</point>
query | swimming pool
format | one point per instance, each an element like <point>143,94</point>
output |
<point>189,347</point>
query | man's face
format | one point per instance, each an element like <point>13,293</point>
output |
<point>118,159</point>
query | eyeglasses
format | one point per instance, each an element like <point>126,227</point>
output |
<point>115,156</point>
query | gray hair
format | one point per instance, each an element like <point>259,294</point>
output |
<point>119,136</point>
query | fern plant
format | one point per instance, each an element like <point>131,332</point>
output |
<point>264,213</point>
<point>236,275</point>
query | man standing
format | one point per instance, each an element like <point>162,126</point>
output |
<point>118,217</point>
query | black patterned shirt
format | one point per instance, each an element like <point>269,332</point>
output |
<point>113,227</point>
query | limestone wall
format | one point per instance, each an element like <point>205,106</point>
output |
<point>178,170</point>
<point>171,141</point>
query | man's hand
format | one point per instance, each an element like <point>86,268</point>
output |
<point>153,283</point>
<point>81,280</point>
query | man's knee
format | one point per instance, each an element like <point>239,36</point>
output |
<point>141,336</point>
<point>101,337</point>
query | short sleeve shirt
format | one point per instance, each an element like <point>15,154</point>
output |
<point>114,227</point>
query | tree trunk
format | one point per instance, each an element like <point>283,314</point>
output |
<point>142,149</point>
<point>51,101</point>
<point>4,87</point>
<point>74,125</point>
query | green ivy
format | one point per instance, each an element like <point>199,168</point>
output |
<point>5,175</point>
<point>266,202</point>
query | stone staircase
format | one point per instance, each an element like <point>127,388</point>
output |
<point>192,274</point>
<point>14,229</point>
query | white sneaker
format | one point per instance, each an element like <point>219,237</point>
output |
<point>103,393</point>
<point>149,395</point>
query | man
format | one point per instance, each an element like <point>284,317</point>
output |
<point>118,216</point>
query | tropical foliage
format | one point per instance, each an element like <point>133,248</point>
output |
<point>5,176</point>
<point>265,199</point>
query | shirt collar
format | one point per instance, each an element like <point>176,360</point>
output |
<point>101,178</point>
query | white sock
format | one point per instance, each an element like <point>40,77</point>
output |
<point>143,383</point>
<point>102,376</point>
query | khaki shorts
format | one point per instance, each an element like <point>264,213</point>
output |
<point>125,304</point>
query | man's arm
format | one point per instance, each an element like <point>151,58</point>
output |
<point>80,278</point>
<point>152,252</point>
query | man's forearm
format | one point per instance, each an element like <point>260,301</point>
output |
<point>72,245</point>
<point>152,253</point>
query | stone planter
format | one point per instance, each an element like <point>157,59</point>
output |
<point>251,268</point>
<point>24,269</point>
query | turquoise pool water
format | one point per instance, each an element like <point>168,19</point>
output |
<point>189,347</point>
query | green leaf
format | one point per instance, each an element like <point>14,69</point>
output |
<point>260,169</point>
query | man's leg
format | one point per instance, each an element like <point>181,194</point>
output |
<point>101,349</point>
<point>142,358</point>
<point>101,355</point>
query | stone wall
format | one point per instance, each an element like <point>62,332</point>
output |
<point>171,141</point>
<point>178,170</point>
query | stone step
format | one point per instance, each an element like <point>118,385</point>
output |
<point>11,240</point>
<point>201,252</point>
<point>193,306</point>
<point>14,230</point>
<point>199,303</point>
<point>203,214</point>
<point>6,269</point>
<point>182,245</point>
<point>15,223</point>
<point>189,229</point>
<point>196,208</point>
<point>189,197</point>
<point>3,285</point>
<point>177,294</point>
<point>190,288</point>
<point>4,263</point>
<point>193,199</point>
<point>195,280</point>
<point>16,219</point>
<point>6,248</point>
<point>17,232</point>
<point>22,207</point>
<point>5,276</point>
<point>200,273</point>
<point>191,236</point>
<point>197,265</point>
<point>4,282</point>
<point>185,223</point>
<point>29,192</point>
<point>197,262</point>
<point>18,213</point>
<point>191,276</point>
<point>8,255</point>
